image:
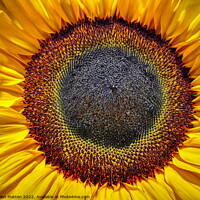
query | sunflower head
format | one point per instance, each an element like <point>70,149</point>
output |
<point>102,97</point>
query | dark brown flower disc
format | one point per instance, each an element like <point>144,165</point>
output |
<point>108,101</point>
<point>109,97</point>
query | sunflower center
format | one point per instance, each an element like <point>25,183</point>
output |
<point>108,101</point>
<point>110,97</point>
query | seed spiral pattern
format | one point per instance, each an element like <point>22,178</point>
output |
<point>90,158</point>
<point>110,97</point>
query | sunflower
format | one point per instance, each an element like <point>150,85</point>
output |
<point>100,99</point>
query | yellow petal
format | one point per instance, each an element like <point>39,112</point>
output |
<point>177,161</point>
<point>48,14</point>
<point>15,167</point>
<point>135,193</point>
<point>5,17</point>
<point>147,17</point>
<point>193,29</point>
<point>18,13</point>
<point>74,187</point>
<point>89,7</point>
<point>98,8</point>
<point>41,183</point>
<point>195,130</point>
<point>192,32</point>
<point>10,94</point>
<point>193,141</point>
<point>190,154</point>
<point>53,18</point>
<point>17,132</point>
<point>190,48</point>
<point>42,178</point>
<point>9,80</point>
<point>68,9</point>
<point>186,12</point>
<point>56,187</point>
<point>125,10</point>
<point>14,61</point>
<point>104,192</point>
<point>196,124</point>
<point>153,189</point>
<point>195,69</point>
<point>31,13</point>
<point>163,16</point>
<point>60,8</point>
<point>18,105</point>
<point>106,8</point>
<point>196,88</point>
<point>10,72</point>
<point>13,36</point>
<point>121,193</point>
<point>160,177</point>
<point>11,117</point>
<point>192,56</point>
<point>196,81</point>
<point>184,184</point>
<point>15,146</point>
<point>12,47</point>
